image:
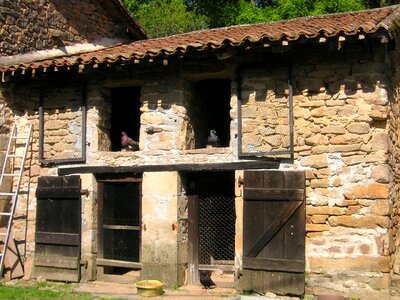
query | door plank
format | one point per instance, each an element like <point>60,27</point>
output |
<point>286,194</point>
<point>287,265</point>
<point>271,230</point>
<point>63,262</point>
<point>57,238</point>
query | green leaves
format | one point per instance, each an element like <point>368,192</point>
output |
<point>168,17</point>
<point>165,17</point>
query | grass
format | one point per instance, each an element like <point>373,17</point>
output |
<point>42,290</point>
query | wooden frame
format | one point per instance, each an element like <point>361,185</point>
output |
<point>101,261</point>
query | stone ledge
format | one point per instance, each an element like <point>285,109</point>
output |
<point>364,263</point>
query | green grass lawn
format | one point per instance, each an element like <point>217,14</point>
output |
<point>43,290</point>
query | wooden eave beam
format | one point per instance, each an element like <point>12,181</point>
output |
<point>259,164</point>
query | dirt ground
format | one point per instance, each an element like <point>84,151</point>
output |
<point>128,291</point>
<point>224,290</point>
<point>110,289</point>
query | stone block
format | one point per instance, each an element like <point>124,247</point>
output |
<point>336,148</point>
<point>354,160</point>
<point>159,252</point>
<point>315,161</point>
<point>378,112</point>
<point>335,102</point>
<point>324,112</point>
<point>381,208</point>
<point>319,219</point>
<point>317,139</point>
<point>166,273</point>
<point>320,183</point>
<point>381,173</point>
<point>358,128</point>
<point>370,191</point>
<point>379,141</point>
<point>325,210</point>
<point>311,103</point>
<point>360,221</point>
<point>333,265</point>
<point>347,110</point>
<point>344,139</point>
<point>152,118</point>
<point>317,227</point>
<point>333,129</point>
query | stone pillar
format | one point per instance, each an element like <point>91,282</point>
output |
<point>239,222</point>
<point>159,253</point>
<point>89,226</point>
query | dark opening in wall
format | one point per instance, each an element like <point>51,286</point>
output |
<point>210,109</point>
<point>119,224</point>
<point>125,115</point>
<point>216,216</point>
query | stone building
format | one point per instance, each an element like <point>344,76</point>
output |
<point>301,195</point>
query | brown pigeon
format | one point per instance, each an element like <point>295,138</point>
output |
<point>128,144</point>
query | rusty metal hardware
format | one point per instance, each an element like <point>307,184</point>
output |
<point>240,181</point>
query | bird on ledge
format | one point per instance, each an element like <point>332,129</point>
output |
<point>213,139</point>
<point>206,280</point>
<point>128,144</point>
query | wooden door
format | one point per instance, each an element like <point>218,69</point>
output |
<point>58,228</point>
<point>274,232</point>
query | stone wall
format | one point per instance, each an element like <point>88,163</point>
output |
<point>265,109</point>
<point>340,110</point>
<point>394,161</point>
<point>28,26</point>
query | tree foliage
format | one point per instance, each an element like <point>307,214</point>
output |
<point>165,17</point>
<point>168,17</point>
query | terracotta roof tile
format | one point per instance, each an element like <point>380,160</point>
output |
<point>367,21</point>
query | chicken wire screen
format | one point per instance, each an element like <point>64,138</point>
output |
<point>216,229</point>
<point>121,221</point>
<point>265,109</point>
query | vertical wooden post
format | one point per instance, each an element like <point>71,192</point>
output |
<point>193,240</point>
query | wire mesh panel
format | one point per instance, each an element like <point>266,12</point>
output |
<point>265,111</point>
<point>216,229</point>
<point>121,221</point>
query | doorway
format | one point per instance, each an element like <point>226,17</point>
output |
<point>212,217</point>
<point>119,226</point>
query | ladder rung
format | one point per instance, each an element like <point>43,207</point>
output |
<point>7,194</point>
<point>10,174</point>
<point>3,233</point>
<point>14,155</point>
<point>5,214</point>
<point>20,137</point>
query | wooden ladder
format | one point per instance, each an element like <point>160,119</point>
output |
<point>16,165</point>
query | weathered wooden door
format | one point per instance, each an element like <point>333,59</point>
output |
<point>273,232</point>
<point>58,228</point>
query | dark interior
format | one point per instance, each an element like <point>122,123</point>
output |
<point>125,115</point>
<point>211,110</point>
<point>216,215</point>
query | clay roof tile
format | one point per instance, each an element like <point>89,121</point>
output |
<point>366,22</point>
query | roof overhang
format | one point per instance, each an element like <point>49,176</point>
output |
<point>381,24</point>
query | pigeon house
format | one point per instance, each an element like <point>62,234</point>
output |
<point>266,153</point>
